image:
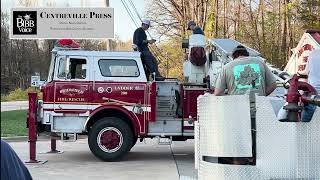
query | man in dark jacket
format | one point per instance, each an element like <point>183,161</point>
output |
<point>140,40</point>
<point>195,29</point>
<point>12,168</point>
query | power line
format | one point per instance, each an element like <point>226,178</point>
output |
<point>133,20</point>
<point>135,9</point>
<point>155,49</point>
<point>137,13</point>
<point>129,12</point>
<point>131,15</point>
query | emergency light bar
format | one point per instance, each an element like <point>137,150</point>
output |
<point>67,43</point>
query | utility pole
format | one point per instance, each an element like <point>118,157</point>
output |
<point>108,41</point>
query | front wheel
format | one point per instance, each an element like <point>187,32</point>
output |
<point>134,142</point>
<point>110,139</point>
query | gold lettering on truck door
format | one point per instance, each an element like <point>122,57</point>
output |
<point>124,93</point>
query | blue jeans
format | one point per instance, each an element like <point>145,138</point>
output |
<point>150,61</point>
<point>308,112</point>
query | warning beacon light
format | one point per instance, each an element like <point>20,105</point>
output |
<point>67,43</point>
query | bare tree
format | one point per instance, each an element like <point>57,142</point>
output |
<point>171,16</point>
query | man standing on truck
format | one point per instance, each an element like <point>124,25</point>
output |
<point>140,40</point>
<point>245,75</point>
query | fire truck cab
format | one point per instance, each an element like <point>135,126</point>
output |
<point>107,96</point>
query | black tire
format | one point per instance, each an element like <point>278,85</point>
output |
<point>119,129</point>
<point>134,142</point>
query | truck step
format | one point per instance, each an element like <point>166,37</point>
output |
<point>166,113</point>
<point>164,141</point>
<point>65,137</point>
<point>169,118</point>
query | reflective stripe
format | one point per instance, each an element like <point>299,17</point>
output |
<point>70,106</point>
<point>86,107</point>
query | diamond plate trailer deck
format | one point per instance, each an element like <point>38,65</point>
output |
<point>285,150</point>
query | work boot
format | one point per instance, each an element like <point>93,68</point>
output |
<point>160,78</point>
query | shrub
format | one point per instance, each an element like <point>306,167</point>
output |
<point>3,98</point>
<point>19,94</point>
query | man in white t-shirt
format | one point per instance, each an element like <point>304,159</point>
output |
<point>313,69</point>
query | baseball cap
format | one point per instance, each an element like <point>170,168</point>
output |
<point>146,21</point>
<point>190,23</point>
<point>238,49</point>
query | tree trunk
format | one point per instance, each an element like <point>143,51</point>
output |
<point>224,19</point>
<point>255,26</point>
<point>216,21</point>
<point>279,31</point>
<point>284,35</point>
<point>238,21</point>
<point>262,25</point>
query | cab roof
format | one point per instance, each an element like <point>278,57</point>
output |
<point>79,52</point>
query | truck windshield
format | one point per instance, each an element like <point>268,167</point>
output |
<point>62,67</point>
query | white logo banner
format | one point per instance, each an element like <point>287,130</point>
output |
<point>57,23</point>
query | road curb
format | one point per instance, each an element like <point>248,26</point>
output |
<point>39,138</point>
<point>14,105</point>
<point>23,138</point>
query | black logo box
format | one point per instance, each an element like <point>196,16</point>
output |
<point>25,23</point>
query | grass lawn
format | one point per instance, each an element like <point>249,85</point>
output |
<point>13,123</point>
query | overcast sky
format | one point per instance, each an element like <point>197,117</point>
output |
<point>124,27</point>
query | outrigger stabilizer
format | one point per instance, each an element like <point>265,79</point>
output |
<point>32,131</point>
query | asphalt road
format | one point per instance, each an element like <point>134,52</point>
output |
<point>14,105</point>
<point>144,162</point>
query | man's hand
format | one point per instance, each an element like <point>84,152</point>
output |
<point>218,92</point>
<point>151,41</point>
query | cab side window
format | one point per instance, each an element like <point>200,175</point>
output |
<point>75,68</point>
<point>118,68</point>
<point>78,68</point>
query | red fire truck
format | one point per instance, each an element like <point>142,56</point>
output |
<point>107,96</point>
